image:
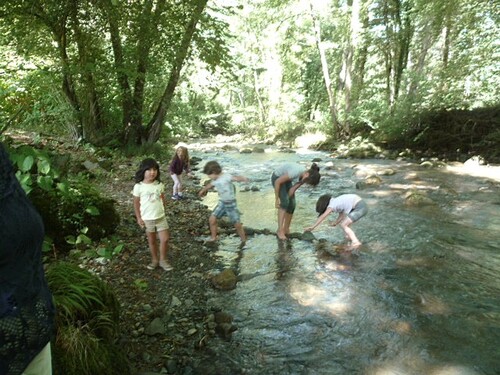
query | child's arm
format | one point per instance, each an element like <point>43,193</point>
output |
<point>277,185</point>
<point>292,190</point>
<point>204,189</point>
<point>341,217</point>
<point>137,210</point>
<point>240,179</point>
<point>327,212</point>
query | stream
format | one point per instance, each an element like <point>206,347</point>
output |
<point>420,296</point>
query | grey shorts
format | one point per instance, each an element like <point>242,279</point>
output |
<point>360,210</point>
<point>153,226</point>
<point>229,209</point>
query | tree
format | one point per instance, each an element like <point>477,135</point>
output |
<point>113,57</point>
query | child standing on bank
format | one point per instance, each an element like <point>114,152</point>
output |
<point>350,208</point>
<point>227,198</point>
<point>149,207</point>
<point>283,179</point>
<point>179,164</point>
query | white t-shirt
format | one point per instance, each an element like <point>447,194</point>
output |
<point>150,198</point>
<point>225,187</point>
<point>344,203</point>
<point>293,170</point>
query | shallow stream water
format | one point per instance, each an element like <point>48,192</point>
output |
<point>420,296</point>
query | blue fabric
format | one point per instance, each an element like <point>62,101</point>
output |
<point>229,209</point>
<point>26,309</point>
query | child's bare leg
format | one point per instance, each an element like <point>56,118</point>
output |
<point>241,231</point>
<point>212,221</point>
<point>345,225</point>
<point>281,224</point>
<point>287,221</point>
<point>153,247</point>
<point>164,237</point>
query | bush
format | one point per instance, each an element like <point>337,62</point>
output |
<point>87,323</point>
<point>67,211</point>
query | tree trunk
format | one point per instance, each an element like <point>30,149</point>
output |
<point>154,127</point>
<point>419,64</point>
<point>68,88</point>
<point>122,78</point>
<point>262,109</point>
<point>404,35</point>
<point>91,114</point>
<point>332,106</point>
<point>348,64</point>
<point>360,61</point>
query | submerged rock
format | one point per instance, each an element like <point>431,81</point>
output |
<point>226,280</point>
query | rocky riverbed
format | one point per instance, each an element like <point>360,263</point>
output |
<point>167,325</point>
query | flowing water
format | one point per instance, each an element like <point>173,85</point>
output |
<point>420,296</point>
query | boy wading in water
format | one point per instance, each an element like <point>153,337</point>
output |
<point>350,208</point>
<point>226,206</point>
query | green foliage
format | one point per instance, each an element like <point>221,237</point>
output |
<point>30,97</point>
<point>81,353</point>
<point>141,284</point>
<point>87,323</point>
<point>33,162</point>
<point>110,249</point>
<point>156,151</point>
<point>75,212</point>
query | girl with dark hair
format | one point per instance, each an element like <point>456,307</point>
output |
<point>283,179</point>
<point>26,308</point>
<point>149,207</point>
<point>350,208</point>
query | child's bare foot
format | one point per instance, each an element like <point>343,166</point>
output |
<point>281,235</point>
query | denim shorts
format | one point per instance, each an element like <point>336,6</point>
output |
<point>360,210</point>
<point>157,225</point>
<point>286,203</point>
<point>229,209</point>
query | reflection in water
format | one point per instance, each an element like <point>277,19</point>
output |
<point>420,296</point>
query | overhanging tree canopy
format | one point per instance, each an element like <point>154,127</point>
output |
<point>117,60</point>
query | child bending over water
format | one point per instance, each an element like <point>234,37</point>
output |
<point>350,208</point>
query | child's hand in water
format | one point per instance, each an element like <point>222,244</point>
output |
<point>308,229</point>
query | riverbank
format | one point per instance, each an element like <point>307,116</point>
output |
<point>167,325</point>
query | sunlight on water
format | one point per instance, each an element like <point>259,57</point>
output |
<point>420,296</point>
